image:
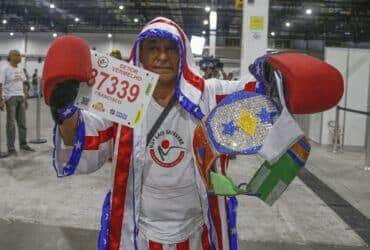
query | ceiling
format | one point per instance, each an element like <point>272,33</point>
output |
<point>331,20</point>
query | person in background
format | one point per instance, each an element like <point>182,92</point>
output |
<point>225,76</point>
<point>26,82</point>
<point>116,53</point>
<point>35,81</point>
<point>211,72</point>
<point>13,96</point>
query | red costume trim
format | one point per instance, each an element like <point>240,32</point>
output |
<point>119,188</point>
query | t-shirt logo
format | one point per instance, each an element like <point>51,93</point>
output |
<point>18,78</point>
<point>167,148</point>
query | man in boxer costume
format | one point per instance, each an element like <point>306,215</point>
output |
<point>157,198</point>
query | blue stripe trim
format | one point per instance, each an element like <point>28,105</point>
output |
<point>136,230</point>
<point>232,204</point>
<point>67,112</point>
<point>305,146</point>
<point>104,224</point>
<point>258,72</point>
<point>296,158</point>
<point>188,105</point>
<point>210,222</point>
<point>70,167</point>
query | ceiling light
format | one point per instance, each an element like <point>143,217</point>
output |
<point>5,21</point>
<point>207,8</point>
<point>272,33</point>
<point>203,32</point>
<point>309,11</point>
<point>109,35</point>
<point>136,20</point>
<point>55,35</point>
<point>213,20</point>
<point>287,24</point>
<point>32,28</point>
<point>52,6</point>
<point>205,22</point>
<point>77,19</point>
<point>11,34</point>
<point>121,7</point>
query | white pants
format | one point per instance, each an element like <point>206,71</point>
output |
<point>198,241</point>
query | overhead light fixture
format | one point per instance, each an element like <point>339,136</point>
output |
<point>136,20</point>
<point>213,20</point>
<point>272,33</point>
<point>287,24</point>
<point>11,34</point>
<point>77,19</point>
<point>52,6</point>
<point>121,7</point>
<point>32,28</point>
<point>55,35</point>
<point>308,11</point>
<point>109,35</point>
<point>197,44</point>
<point>207,8</point>
<point>203,32</point>
<point>5,21</point>
<point>205,22</point>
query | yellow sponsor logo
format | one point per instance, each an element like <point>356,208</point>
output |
<point>99,106</point>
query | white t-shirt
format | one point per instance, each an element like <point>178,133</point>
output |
<point>12,79</point>
<point>170,204</point>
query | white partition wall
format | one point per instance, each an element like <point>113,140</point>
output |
<point>37,43</point>
<point>357,97</point>
<point>100,41</point>
<point>8,42</point>
<point>123,43</point>
<point>338,57</point>
<point>354,65</point>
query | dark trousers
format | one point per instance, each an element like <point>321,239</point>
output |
<point>15,111</point>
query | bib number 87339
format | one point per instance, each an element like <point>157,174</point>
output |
<point>121,89</point>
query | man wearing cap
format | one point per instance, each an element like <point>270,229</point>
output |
<point>116,53</point>
<point>13,95</point>
<point>157,198</point>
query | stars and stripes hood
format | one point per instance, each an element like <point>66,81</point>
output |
<point>190,85</point>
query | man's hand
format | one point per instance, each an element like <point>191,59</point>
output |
<point>64,94</point>
<point>2,104</point>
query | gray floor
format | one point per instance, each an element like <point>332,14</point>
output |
<point>40,211</point>
<point>21,236</point>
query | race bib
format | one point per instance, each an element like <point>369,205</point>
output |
<point>117,91</point>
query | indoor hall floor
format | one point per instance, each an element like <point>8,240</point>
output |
<point>40,211</point>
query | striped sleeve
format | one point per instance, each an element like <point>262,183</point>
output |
<point>216,89</point>
<point>97,146</point>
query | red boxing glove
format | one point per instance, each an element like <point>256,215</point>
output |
<point>68,58</point>
<point>310,85</point>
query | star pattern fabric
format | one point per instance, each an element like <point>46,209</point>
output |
<point>265,116</point>
<point>229,128</point>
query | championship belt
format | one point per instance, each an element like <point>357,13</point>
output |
<point>240,124</point>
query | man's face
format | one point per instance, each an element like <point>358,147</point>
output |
<point>15,57</point>
<point>161,56</point>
